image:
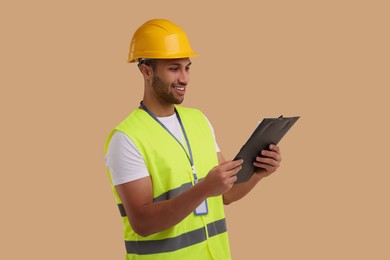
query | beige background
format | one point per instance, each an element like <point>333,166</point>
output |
<point>65,83</point>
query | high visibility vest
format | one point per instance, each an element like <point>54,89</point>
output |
<point>195,237</point>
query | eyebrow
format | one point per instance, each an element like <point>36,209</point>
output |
<point>179,64</point>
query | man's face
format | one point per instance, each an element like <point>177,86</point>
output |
<point>170,79</point>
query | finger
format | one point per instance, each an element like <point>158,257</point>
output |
<point>274,147</point>
<point>233,179</point>
<point>268,168</point>
<point>229,165</point>
<point>228,162</point>
<point>271,154</point>
<point>233,172</point>
<point>266,160</point>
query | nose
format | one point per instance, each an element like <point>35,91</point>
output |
<point>184,77</point>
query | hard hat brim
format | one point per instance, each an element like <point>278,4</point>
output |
<point>148,55</point>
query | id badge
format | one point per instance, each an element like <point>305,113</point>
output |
<point>202,209</point>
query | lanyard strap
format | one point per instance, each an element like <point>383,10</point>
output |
<point>189,156</point>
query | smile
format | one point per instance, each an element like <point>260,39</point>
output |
<point>179,88</point>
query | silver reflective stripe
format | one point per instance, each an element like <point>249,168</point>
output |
<point>166,245</point>
<point>122,210</point>
<point>216,227</point>
<point>175,243</point>
<point>165,196</point>
<point>173,193</point>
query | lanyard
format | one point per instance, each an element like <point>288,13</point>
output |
<point>189,154</point>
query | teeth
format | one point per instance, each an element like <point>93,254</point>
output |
<point>179,88</point>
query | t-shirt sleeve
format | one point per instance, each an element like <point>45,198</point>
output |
<point>212,131</point>
<point>124,160</point>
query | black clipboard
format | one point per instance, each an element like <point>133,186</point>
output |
<point>269,131</point>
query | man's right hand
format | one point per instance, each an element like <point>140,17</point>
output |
<point>221,178</point>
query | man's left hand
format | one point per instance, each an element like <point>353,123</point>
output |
<point>268,162</point>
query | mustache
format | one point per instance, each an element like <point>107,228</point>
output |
<point>180,84</point>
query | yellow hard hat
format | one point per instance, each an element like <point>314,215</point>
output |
<point>159,39</point>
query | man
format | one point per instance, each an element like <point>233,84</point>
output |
<point>169,177</point>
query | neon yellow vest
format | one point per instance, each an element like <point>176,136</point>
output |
<point>195,237</point>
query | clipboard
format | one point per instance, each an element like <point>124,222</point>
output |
<point>269,131</point>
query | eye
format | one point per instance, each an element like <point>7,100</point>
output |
<point>187,68</point>
<point>173,68</point>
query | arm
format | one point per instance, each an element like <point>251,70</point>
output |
<point>267,164</point>
<point>147,217</point>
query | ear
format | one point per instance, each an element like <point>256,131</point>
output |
<point>146,71</point>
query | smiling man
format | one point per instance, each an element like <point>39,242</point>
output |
<point>169,177</point>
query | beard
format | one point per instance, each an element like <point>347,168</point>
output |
<point>164,93</point>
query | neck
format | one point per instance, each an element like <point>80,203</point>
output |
<point>159,110</point>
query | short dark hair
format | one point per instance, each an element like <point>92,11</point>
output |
<point>148,62</point>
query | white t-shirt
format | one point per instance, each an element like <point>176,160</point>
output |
<point>124,160</point>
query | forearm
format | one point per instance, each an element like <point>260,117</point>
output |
<point>147,217</point>
<point>238,191</point>
<point>156,217</point>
